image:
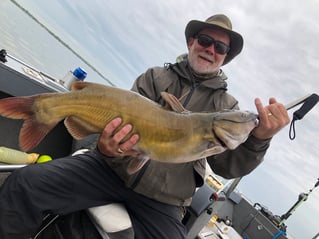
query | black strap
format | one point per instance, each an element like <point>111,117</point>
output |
<point>308,104</point>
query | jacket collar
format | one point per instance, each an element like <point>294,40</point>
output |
<point>183,71</point>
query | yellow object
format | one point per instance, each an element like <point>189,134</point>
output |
<point>213,220</point>
<point>214,182</point>
<point>13,156</point>
<point>44,158</point>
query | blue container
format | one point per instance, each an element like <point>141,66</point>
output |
<point>79,73</point>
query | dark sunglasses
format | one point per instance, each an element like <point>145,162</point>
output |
<point>206,41</point>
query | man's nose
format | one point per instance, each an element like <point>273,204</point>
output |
<point>211,49</point>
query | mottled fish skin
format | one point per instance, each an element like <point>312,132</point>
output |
<point>165,135</point>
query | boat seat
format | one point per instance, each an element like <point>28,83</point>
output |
<point>112,221</point>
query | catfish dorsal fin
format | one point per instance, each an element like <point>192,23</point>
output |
<point>79,85</point>
<point>173,102</point>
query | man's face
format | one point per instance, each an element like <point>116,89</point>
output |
<point>205,60</point>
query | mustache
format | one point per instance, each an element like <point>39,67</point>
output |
<point>207,57</point>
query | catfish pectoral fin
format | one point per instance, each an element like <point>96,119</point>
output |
<point>137,163</point>
<point>173,102</point>
<point>79,128</point>
<point>217,149</point>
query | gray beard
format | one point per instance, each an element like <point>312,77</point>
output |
<point>204,76</point>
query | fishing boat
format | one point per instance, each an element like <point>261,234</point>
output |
<point>218,211</point>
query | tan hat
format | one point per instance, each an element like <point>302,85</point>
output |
<point>223,23</point>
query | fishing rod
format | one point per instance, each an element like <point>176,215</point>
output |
<point>297,102</point>
<point>309,102</point>
<point>302,198</point>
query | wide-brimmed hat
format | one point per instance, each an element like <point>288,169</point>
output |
<point>223,23</point>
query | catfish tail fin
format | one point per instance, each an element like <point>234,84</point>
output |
<point>32,132</point>
<point>17,107</point>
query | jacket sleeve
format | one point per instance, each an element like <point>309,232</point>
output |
<point>240,161</point>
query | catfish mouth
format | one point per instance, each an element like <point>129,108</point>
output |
<point>231,138</point>
<point>231,128</point>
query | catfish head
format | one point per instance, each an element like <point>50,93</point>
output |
<point>219,131</point>
<point>232,127</point>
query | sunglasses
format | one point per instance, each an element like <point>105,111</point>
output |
<point>206,41</point>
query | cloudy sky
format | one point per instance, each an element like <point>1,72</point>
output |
<point>280,58</point>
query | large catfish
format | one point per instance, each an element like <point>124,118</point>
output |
<point>167,136</point>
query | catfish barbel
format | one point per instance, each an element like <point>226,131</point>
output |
<point>164,135</point>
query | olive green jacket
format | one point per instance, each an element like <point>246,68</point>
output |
<point>176,183</point>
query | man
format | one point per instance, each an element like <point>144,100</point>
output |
<point>154,195</point>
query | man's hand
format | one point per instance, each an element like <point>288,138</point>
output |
<point>272,118</point>
<point>111,144</point>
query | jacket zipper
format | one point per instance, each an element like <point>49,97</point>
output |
<point>189,96</point>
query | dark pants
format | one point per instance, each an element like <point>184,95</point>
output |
<point>74,183</point>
